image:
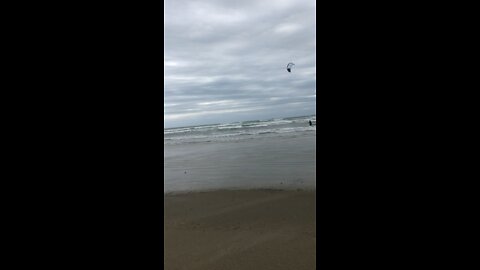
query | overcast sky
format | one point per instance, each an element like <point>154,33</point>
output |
<point>226,60</point>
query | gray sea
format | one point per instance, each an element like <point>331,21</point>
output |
<point>274,153</point>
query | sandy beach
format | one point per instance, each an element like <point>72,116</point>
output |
<point>240,229</point>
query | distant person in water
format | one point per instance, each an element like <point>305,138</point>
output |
<point>310,122</point>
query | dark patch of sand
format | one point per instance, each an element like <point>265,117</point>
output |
<point>240,229</point>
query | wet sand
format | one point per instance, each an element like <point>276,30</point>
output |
<point>276,162</point>
<point>240,229</point>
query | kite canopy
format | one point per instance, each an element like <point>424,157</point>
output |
<point>289,67</point>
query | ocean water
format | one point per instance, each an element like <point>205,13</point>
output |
<point>239,131</point>
<point>275,153</point>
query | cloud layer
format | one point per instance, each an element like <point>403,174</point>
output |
<point>225,60</point>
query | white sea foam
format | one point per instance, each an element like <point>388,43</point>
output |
<point>240,130</point>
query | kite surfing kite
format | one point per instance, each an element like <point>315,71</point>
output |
<point>289,67</point>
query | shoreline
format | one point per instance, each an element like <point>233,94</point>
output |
<point>240,189</point>
<point>279,163</point>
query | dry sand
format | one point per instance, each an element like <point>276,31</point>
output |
<point>230,230</point>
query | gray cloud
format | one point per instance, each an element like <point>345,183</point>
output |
<point>225,60</point>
